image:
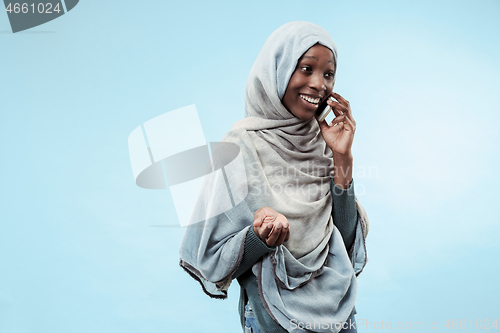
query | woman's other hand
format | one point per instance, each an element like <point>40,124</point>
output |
<point>270,226</point>
<point>339,134</point>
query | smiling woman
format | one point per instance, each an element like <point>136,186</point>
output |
<point>311,82</point>
<point>296,242</point>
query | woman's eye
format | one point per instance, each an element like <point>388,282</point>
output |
<point>329,75</point>
<point>306,68</point>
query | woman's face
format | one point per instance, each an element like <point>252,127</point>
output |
<point>311,82</point>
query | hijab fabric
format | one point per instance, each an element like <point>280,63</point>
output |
<point>288,167</point>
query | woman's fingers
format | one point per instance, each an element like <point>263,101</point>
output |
<point>338,120</point>
<point>257,224</point>
<point>349,125</point>
<point>346,105</point>
<point>280,232</point>
<point>282,236</point>
<point>266,231</point>
<point>343,121</point>
<point>263,214</point>
<point>270,226</point>
<point>258,217</point>
<point>286,227</point>
<point>342,107</point>
<point>263,231</point>
<point>287,235</point>
<point>275,234</point>
<point>338,109</point>
<point>341,99</point>
<point>324,126</point>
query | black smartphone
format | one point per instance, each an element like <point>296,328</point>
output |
<point>323,109</point>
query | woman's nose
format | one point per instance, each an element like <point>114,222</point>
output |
<point>317,82</point>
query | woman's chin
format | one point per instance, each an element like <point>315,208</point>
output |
<point>303,113</point>
<point>306,116</point>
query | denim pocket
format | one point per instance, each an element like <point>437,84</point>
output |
<point>248,311</point>
<point>250,321</point>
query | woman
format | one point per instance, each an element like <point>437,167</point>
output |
<point>296,241</point>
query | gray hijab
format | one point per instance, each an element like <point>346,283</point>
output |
<point>287,166</point>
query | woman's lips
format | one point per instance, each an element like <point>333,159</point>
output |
<point>309,102</point>
<point>310,99</point>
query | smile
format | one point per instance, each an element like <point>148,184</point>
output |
<point>311,100</point>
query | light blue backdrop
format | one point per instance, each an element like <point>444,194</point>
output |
<point>78,250</point>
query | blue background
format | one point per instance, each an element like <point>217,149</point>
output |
<point>80,246</point>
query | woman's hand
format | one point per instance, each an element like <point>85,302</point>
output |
<point>339,135</point>
<point>270,226</point>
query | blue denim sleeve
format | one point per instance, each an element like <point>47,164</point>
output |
<point>254,249</point>
<point>344,212</point>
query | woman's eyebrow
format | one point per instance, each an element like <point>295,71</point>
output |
<point>312,57</point>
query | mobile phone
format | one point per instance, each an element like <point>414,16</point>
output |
<point>323,109</point>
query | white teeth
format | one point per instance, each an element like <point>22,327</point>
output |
<point>310,100</point>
